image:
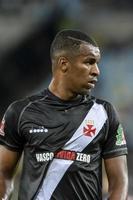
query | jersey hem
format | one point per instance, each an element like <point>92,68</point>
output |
<point>10,148</point>
<point>115,154</point>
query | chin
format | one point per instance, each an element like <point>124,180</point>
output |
<point>85,91</point>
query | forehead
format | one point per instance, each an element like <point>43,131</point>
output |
<point>89,50</point>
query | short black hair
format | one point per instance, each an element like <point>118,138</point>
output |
<point>69,40</point>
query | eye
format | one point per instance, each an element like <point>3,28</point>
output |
<point>91,61</point>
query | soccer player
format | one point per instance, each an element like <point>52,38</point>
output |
<point>64,132</point>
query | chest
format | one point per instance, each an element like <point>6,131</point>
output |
<point>53,128</point>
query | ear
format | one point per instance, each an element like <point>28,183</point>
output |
<point>63,64</point>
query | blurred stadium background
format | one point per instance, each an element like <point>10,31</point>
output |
<point>27,28</point>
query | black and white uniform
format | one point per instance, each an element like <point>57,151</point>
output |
<point>63,144</point>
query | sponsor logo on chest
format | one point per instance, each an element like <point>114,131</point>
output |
<point>63,154</point>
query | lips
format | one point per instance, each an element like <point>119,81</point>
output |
<point>92,83</point>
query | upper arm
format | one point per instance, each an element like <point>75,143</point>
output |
<point>116,168</point>
<point>8,162</point>
<point>114,153</point>
<point>11,146</point>
<point>117,174</point>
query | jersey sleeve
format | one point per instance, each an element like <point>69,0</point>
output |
<point>9,135</point>
<point>115,141</point>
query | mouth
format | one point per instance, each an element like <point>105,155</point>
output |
<point>92,83</point>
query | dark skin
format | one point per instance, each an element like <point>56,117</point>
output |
<point>8,163</point>
<point>77,74</point>
<point>116,169</point>
<point>73,76</point>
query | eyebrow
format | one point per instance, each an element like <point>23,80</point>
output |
<point>96,58</point>
<point>91,54</point>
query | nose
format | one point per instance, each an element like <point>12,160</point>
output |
<point>95,70</point>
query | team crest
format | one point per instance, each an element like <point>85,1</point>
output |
<point>89,129</point>
<point>120,137</point>
<point>2,126</point>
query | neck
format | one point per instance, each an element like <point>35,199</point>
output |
<point>59,90</point>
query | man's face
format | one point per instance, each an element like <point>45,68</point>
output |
<point>83,69</point>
